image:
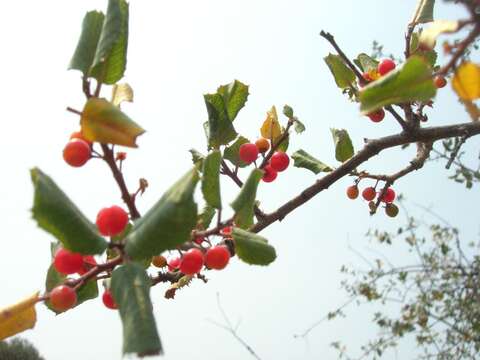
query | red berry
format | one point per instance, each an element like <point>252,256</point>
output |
<point>112,221</point>
<point>279,161</point>
<point>377,116</point>
<point>440,81</point>
<point>262,144</point>
<point>226,231</point>
<point>198,240</point>
<point>217,257</point>
<point>369,193</point>
<point>108,301</point>
<point>173,264</point>
<point>76,153</point>
<point>352,192</point>
<point>270,174</point>
<point>63,298</point>
<point>67,262</point>
<point>79,135</point>
<point>248,152</point>
<point>389,196</point>
<point>385,66</point>
<point>88,263</point>
<point>191,262</point>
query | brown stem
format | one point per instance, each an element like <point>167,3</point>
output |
<point>371,149</point>
<point>109,158</point>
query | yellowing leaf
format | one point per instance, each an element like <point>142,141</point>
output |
<point>120,93</point>
<point>105,123</point>
<point>271,127</point>
<point>428,37</point>
<point>466,81</point>
<point>19,317</point>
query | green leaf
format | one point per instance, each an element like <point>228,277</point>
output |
<point>111,54</point>
<point>285,143</point>
<point>58,215</point>
<point>86,292</point>
<point>197,158</point>
<point>412,82</point>
<point>231,152</point>
<point>168,223</point>
<point>105,123</point>
<point>245,201</point>
<point>219,129</point>
<point>302,159</point>
<point>211,179</point>
<point>87,44</point>
<point>344,76</point>
<point>234,96</point>
<point>423,12</point>
<point>298,126</point>
<point>366,62</point>
<point>130,288</point>
<point>288,111</point>
<point>205,218</point>
<point>252,248</point>
<point>343,144</point>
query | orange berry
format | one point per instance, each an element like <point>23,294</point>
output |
<point>262,144</point>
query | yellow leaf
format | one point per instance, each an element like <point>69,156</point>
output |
<point>19,317</point>
<point>105,123</point>
<point>271,127</point>
<point>428,37</point>
<point>120,93</point>
<point>466,81</point>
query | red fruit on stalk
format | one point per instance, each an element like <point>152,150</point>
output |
<point>248,152</point>
<point>385,66</point>
<point>440,81</point>
<point>173,264</point>
<point>77,152</point>
<point>262,144</point>
<point>377,116</point>
<point>389,196</point>
<point>67,262</point>
<point>79,135</point>
<point>88,263</point>
<point>217,257</point>
<point>352,192</point>
<point>63,298</point>
<point>369,193</point>
<point>279,161</point>
<point>269,174</point>
<point>108,301</point>
<point>111,221</point>
<point>191,262</point>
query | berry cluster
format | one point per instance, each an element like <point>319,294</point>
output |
<point>111,221</point>
<point>369,194</point>
<point>278,162</point>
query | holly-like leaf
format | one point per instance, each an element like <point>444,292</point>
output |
<point>121,93</point>
<point>343,75</point>
<point>231,152</point>
<point>271,128</point>
<point>87,44</point>
<point>58,215</point>
<point>366,63</point>
<point>252,248</point>
<point>211,179</point>
<point>234,96</point>
<point>245,201</point>
<point>130,288</point>
<point>105,123</point>
<point>343,144</point>
<point>219,128</point>
<point>18,317</point>
<point>168,223</point>
<point>302,159</point>
<point>110,58</point>
<point>411,82</point>
<point>429,36</point>
<point>466,81</point>
<point>424,12</point>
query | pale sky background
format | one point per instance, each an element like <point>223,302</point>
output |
<point>178,51</point>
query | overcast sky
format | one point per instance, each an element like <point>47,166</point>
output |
<point>178,51</point>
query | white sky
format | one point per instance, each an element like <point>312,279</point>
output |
<point>179,50</point>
